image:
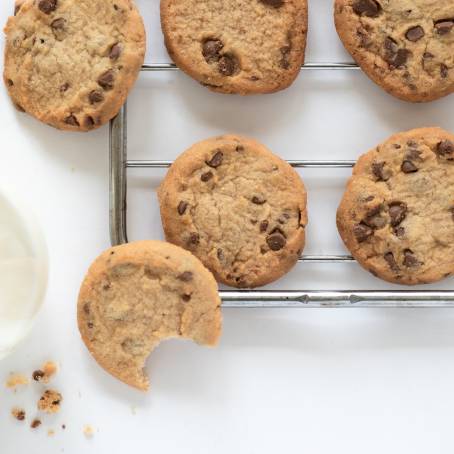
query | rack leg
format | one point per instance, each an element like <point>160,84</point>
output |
<point>118,183</point>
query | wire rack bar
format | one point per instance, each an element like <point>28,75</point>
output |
<point>307,66</point>
<point>153,164</point>
<point>336,299</point>
<point>119,164</point>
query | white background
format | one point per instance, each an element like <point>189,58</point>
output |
<point>290,381</point>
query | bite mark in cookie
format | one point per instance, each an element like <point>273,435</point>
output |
<point>135,296</point>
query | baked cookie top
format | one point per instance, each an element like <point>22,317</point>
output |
<point>136,295</point>
<point>405,46</point>
<point>237,46</point>
<point>397,214</point>
<point>71,63</point>
<point>236,206</point>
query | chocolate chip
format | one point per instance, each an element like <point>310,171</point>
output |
<point>228,65</point>
<point>276,241</point>
<point>90,325</point>
<point>89,122</point>
<point>220,254</point>
<point>207,176</point>
<point>115,51</point>
<point>391,261</point>
<point>186,298</point>
<point>239,148</point>
<point>380,172</point>
<point>35,423</point>
<point>394,56</point>
<point>211,50</point>
<point>86,308</point>
<point>47,6</point>
<point>362,232</point>
<point>397,212</point>
<point>182,207</point>
<point>445,149</point>
<point>443,71</point>
<point>264,226</point>
<point>258,200</point>
<point>273,3</point>
<point>285,52</point>
<point>427,56</point>
<point>38,375</point>
<point>72,120</point>
<point>369,8</point>
<point>64,87</point>
<point>216,160</point>
<point>391,45</point>
<point>408,167</point>
<point>374,218</point>
<point>58,25</point>
<point>10,82</point>
<point>187,276</point>
<point>194,238</point>
<point>414,33</point>
<point>17,7</point>
<point>444,26</point>
<point>284,218</point>
<point>399,232</point>
<point>410,261</point>
<point>106,80</point>
<point>96,96</point>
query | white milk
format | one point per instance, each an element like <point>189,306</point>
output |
<point>23,274</point>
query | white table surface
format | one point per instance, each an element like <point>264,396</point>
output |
<point>282,381</point>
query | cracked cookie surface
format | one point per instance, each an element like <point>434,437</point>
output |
<point>71,63</point>
<point>405,46</point>
<point>138,294</point>
<point>237,46</point>
<point>236,206</point>
<point>397,214</point>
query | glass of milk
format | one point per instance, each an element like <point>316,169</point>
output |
<point>23,271</point>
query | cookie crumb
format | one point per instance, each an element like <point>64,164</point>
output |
<point>50,401</point>
<point>15,380</point>
<point>50,432</point>
<point>18,413</point>
<point>43,375</point>
<point>35,423</point>
<point>88,431</point>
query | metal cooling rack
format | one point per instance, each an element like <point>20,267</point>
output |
<point>119,165</point>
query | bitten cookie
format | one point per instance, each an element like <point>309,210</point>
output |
<point>138,294</point>
<point>397,214</point>
<point>406,47</point>
<point>236,206</point>
<point>237,46</point>
<point>71,63</point>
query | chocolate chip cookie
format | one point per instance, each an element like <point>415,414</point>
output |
<point>236,206</point>
<point>237,46</point>
<point>136,295</point>
<point>71,63</point>
<point>397,214</point>
<point>406,47</point>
